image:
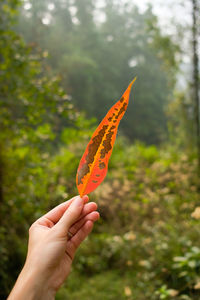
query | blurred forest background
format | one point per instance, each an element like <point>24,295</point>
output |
<point>63,64</point>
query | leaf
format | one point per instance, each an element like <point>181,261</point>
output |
<point>94,162</point>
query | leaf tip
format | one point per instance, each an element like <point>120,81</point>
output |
<point>132,82</point>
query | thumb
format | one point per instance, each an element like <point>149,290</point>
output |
<point>70,216</point>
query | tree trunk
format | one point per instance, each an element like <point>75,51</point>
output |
<point>1,186</point>
<point>1,182</point>
<point>195,12</point>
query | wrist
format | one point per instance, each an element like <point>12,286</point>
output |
<point>31,285</point>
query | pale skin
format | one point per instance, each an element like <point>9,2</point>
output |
<point>51,250</point>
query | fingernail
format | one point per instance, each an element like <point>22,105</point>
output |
<point>85,198</point>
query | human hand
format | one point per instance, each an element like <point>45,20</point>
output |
<point>51,250</point>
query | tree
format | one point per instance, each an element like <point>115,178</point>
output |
<point>97,59</point>
<point>195,36</point>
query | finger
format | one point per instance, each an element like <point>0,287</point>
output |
<point>54,215</point>
<point>78,238</point>
<point>70,216</point>
<point>93,216</point>
<point>88,208</point>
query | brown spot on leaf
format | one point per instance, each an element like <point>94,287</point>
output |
<point>94,181</point>
<point>92,150</point>
<point>107,142</point>
<point>122,99</point>
<point>97,175</point>
<point>122,109</point>
<point>111,117</point>
<point>102,165</point>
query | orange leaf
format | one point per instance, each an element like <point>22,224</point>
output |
<point>94,162</point>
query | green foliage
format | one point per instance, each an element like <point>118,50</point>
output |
<point>181,121</point>
<point>188,265</point>
<point>146,238</point>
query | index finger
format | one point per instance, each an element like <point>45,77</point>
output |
<point>56,213</point>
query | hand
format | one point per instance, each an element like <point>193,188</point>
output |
<point>51,251</point>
